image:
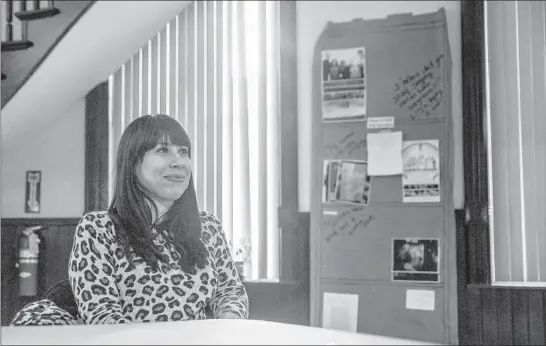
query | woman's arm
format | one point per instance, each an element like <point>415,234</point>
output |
<point>91,271</point>
<point>231,299</point>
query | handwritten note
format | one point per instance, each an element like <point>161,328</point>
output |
<point>347,222</point>
<point>385,153</point>
<point>348,144</point>
<point>421,92</point>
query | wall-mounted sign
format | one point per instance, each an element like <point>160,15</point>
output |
<point>32,193</point>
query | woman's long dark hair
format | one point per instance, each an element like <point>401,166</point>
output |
<point>130,207</point>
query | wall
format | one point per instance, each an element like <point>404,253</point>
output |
<point>312,17</point>
<point>58,151</point>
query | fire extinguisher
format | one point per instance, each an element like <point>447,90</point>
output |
<point>29,249</point>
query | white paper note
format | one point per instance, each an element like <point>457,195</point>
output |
<point>330,212</point>
<point>340,311</point>
<point>420,300</point>
<point>385,153</point>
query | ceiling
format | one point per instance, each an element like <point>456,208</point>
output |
<point>108,34</point>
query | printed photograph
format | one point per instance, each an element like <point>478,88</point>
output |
<point>421,177</point>
<point>330,180</point>
<point>415,259</point>
<point>346,181</point>
<point>344,88</point>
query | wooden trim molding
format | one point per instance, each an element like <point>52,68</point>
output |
<point>96,148</point>
<point>289,218</point>
<point>475,141</point>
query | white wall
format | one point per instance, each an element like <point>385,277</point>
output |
<point>58,150</point>
<point>312,17</point>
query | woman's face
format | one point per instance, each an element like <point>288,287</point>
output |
<point>165,172</point>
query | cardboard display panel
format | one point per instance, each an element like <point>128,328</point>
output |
<point>378,235</point>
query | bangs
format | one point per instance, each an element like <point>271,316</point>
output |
<point>165,130</point>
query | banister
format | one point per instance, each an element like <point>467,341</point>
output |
<point>9,20</point>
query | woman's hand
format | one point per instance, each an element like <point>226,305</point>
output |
<point>228,315</point>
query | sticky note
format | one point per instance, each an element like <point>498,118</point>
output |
<point>385,153</point>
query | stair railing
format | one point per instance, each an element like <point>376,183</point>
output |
<point>24,15</point>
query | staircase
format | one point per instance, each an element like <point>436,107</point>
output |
<point>31,31</point>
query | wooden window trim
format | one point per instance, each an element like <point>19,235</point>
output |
<point>290,219</point>
<point>96,148</point>
<point>476,223</point>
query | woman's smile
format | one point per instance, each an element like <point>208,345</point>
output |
<point>176,178</point>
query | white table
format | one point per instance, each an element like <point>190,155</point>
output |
<point>216,332</point>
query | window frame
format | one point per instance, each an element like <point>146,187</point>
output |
<point>475,245</point>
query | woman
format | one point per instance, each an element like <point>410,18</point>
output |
<point>153,256</point>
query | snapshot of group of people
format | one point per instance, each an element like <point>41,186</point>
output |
<point>338,68</point>
<point>344,84</point>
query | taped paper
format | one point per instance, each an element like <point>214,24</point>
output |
<point>340,311</point>
<point>420,300</point>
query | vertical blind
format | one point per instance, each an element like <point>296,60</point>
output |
<point>516,117</point>
<point>215,68</point>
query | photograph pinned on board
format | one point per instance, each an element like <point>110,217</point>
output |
<point>330,179</point>
<point>344,90</point>
<point>421,176</point>
<point>346,181</point>
<point>416,259</point>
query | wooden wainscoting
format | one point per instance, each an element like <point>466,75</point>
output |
<point>505,316</point>
<point>55,246</point>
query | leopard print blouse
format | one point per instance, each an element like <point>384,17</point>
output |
<point>110,290</point>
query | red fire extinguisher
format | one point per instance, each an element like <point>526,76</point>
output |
<point>29,249</point>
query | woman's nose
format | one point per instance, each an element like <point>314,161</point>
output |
<point>177,161</point>
<point>176,164</point>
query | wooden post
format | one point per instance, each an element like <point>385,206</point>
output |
<point>9,19</point>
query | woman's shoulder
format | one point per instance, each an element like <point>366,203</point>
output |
<point>211,225</point>
<point>99,219</point>
<point>208,217</point>
<point>96,222</point>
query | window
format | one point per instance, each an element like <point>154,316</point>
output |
<point>215,67</point>
<point>516,133</point>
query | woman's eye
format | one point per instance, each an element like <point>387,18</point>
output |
<point>183,151</point>
<point>162,150</point>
